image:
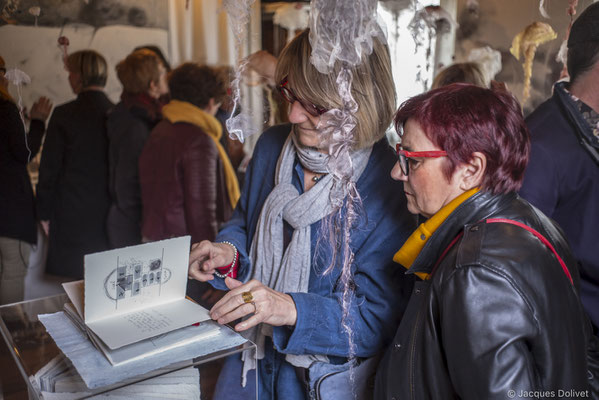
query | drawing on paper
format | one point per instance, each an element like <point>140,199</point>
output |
<point>136,278</point>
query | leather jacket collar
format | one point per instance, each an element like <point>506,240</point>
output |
<point>480,206</point>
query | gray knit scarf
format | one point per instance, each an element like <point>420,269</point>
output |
<point>288,270</point>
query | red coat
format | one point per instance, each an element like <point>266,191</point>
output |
<point>182,181</point>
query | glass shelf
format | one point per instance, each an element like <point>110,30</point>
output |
<point>33,348</point>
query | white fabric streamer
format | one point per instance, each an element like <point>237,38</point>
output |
<point>489,59</point>
<point>542,9</point>
<point>18,78</point>
<point>562,54</point>
<point>239,124</point>
<point>341,31</point>
<point>292,16</point>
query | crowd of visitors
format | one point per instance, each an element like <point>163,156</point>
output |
<point>460,264</point>
<point>89,195</point>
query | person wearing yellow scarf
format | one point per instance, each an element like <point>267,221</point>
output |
<point>497,305</point>
<point>188,184</point>
<point>415,243</point>
<point>182,111</point>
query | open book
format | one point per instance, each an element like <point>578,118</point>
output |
<point>132,301</point>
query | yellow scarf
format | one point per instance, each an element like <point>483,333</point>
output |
<point>182,111</point>
<point>413,246</point>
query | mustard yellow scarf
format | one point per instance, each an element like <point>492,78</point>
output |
<point>182,111</point>
<point>413,246</point>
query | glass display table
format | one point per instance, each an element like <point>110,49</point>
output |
<point>34,351</point>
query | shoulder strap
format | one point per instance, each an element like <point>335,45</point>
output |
<point>512,222</point>
<point>538,236</point>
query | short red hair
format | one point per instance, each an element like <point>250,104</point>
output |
<point>462,119</point>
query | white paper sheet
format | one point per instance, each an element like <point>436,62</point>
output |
<point>95,369</point>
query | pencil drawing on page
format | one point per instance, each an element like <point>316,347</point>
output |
<point>136,278</point>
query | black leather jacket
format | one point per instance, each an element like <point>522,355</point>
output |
<point>499,317</point>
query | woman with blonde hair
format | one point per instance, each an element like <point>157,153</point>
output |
<point>467,72</point>
<point>72,191</point>
<point>291,307</point>
<point>188,184</point>
<point>143,76</point>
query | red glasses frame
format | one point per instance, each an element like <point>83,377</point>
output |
<point>291,98</point>
<point>403,156</point>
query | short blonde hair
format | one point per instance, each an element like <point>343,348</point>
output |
<point>91,67</point>
<point>468,72</point>
<point>137,70</point>
<point>372,86</point>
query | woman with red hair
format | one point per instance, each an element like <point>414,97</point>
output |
<point>496,312</point>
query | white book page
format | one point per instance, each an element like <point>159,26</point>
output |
<point>125,329</point>
<point>133,278</point>
<point>158,344</point>
<point>138,292</point>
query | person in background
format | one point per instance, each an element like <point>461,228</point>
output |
<point>143,76</point>
<point>263,64</point>
<point>562,177</point>
<point>18,228</point>
<point>291,307</point>
<point>468,72</point>
<point>158,52</point>
<point>188,185</point>
<point>165,97</point>
<point>495,313</point>
<point>72,191</point>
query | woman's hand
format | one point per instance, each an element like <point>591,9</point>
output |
<point>267,305</point>
<point>206,256</point>
<point>41,109</point>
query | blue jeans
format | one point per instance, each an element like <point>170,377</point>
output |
<point>276,378</point>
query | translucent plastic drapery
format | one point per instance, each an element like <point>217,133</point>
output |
<point>238,11</point>
<point>342,34</point>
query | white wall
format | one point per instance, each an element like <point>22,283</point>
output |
<point>35,51</point>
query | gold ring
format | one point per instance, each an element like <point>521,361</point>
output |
<point>247,297</point>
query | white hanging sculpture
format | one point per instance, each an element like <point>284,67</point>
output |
<point>293,17</point>
<point>489,60</point>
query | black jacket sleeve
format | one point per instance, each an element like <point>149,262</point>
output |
<point>23,147</point>
<point>50,168</point>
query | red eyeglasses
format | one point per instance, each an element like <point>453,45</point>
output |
<point>405,157</point>
<point>288,95</point>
